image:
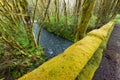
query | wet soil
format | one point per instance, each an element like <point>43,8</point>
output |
<point>110,66</point>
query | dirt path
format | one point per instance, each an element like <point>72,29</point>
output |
<point>110,66</point>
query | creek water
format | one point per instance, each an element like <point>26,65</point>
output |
<point>52,44</point>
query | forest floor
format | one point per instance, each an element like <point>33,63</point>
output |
<point>110,66</point>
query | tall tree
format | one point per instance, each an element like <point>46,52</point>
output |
<point>87,10</point>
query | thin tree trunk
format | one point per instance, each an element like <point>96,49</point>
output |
<point>77,13</point>
<point>116,10</point>
<point>45,14</point>
<point>56,2</point>
<point>65,14</point>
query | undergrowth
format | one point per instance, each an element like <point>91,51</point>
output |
<point>67,31</point>
<point>13,64</point>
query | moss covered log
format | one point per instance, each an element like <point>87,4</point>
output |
<point>94,62</point>
<point>69,64</point>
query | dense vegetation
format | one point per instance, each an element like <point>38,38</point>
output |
<point>21,52</point>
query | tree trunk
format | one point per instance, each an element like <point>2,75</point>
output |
<point>87,10</point>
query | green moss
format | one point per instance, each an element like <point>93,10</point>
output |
<point>69,64</point>
<point>88,72</point>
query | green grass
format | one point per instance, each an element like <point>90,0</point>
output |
<point>59,28</point>
<point>118,19</point>
<point>67,32</point>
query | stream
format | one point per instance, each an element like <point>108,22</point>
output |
<point>52,44</point>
